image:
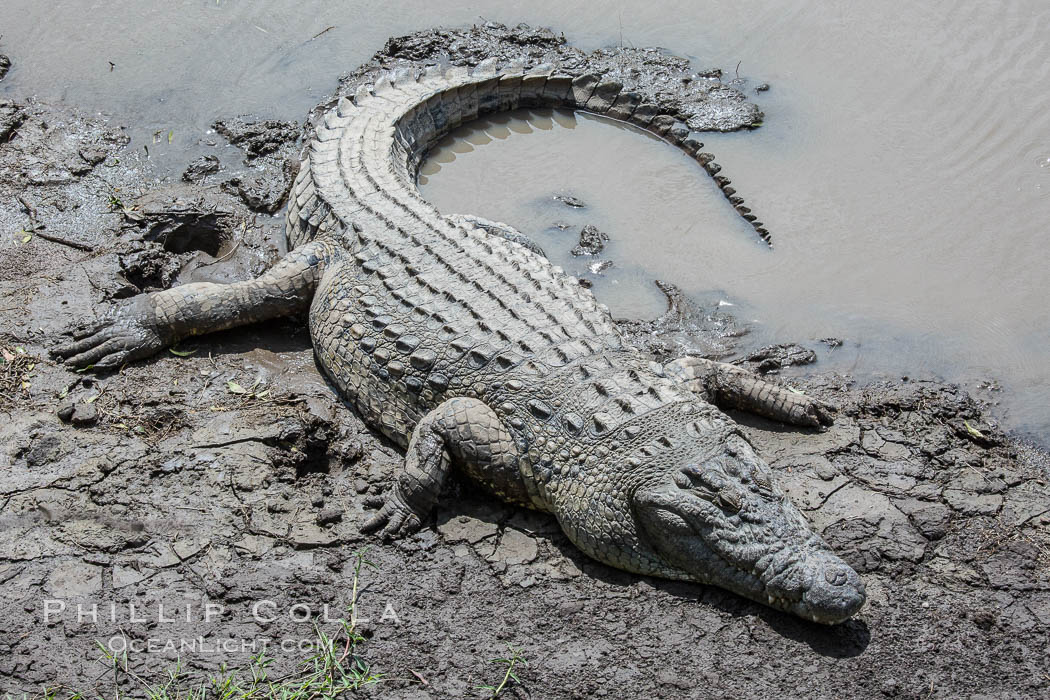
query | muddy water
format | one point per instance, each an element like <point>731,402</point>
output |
<point>903,167</point>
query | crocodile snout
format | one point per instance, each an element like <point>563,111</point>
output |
<point>836,595</point>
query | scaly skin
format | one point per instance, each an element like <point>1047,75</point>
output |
<point>458,340</point>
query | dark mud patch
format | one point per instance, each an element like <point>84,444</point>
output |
<point>570,201</point>
<point>11,117</point>
<point>272,148</point>
<point>698,98</point>
<point>258,138</point>
<point>175,231</point>
<point>267,191</point>
<point>230,475</point>
<point>183,218</point>
<point>198,170</point>
<point>81,208</point>
<point>592,241</point>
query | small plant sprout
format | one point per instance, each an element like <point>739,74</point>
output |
<point>512,662</point>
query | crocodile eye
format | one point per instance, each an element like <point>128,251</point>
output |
<point>762,479</point>
<point>730,499</point>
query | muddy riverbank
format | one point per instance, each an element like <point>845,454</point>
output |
<point>227,473</point>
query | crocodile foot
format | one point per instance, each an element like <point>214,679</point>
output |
<point>126,334</point>
<point>394,519</point>
<point>733,387</point>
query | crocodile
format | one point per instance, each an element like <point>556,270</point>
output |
<point>460,341</point>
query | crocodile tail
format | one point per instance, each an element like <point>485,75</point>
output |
<point>309,213</point>
<point>593,93</point>
<point>440,100</point>
<point>468,95</point>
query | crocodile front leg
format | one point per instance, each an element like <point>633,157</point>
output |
<point>151,322</point>
<point>730,386</point>
<point>460,429</point>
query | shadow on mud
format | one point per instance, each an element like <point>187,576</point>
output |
<point>845,640</point>
<point>840,641</point>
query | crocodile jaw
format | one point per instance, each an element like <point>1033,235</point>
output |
<point>722,530</point>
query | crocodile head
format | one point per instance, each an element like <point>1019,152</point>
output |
<point>722,520</point>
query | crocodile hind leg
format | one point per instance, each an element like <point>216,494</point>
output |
<point>462,430</point>
<point>151,322</point>
<point>730,386</point>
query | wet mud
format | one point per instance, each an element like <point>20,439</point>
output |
<point>592,241</point>
<point>697,97</point>
<point>228,473</point>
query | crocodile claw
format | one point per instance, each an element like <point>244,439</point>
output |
<point>127,334</point>
<point>395,518</point>
<point>821,415</point>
